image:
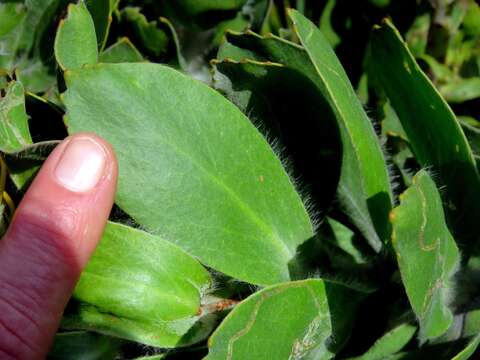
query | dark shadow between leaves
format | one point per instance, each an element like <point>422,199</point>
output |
<point>379,207</point>
<point>46,123</point>
<point>462,216</point>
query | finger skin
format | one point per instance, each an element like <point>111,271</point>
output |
<point>51,237</point>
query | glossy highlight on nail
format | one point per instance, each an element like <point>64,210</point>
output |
<point>81,165</point>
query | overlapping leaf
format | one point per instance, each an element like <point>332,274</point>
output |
<point>364,187</point>
<point>26,48</point>
<point>100,11</point>
<point>209,181</point>
<point>433,132</point>
<point>197,175</point>
<point>368,194</point>
<point>11,15</point>
<point>301,314</point>
<point>140,287</point>
<point>154,39</point>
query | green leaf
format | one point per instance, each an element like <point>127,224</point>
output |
<point>426,254</point>
<point>23,158</point>
<point>417,35</point>
<point>139,287</point>
<point>197,7</point>
<point>14,133</point>
<point>434,134</point>
<point>471,324</point>
<point>40,16</point>
<point>403,159</point>
<point>460,49</point>
<point>364,186</point>
<point>209,181</point>
<point>272,22</point>
<point>3,79</point>
<point>24,163</point>
<point>82,345</point>
<point>461,90</point>
<point>299,314</point>
<point>34,152</point>
<point>397,144</point>
<point>178,61</point>
<point>11,14</point>
<point>380,3</point>
<point>344,239</point>
<point>27,36</point>
<point>153,38</point>
<point>238,23</point>
<point>153,357</point>
<point>76,42</point>
<point>312,141</point>
<point>279,57</point>
<point>35,76</point>
<point>27,49</point>
<point>101,16</point>
<point>326,24</point>
<point>122,51</point>
<point>390,343</point>
<point>391,124</point>
<point>114,5</point>
<point>471,21</point>
<point>469,350</point>
<point>439,72</point>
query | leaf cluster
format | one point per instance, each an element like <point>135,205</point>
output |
<point>298,179</point>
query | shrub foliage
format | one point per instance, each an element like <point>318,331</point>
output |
<point>298,179</point>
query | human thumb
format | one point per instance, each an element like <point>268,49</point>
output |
<point>52,235</point>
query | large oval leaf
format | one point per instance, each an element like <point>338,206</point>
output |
<point>140,287</point>
<point>426,254</point>
<point>192,167</point>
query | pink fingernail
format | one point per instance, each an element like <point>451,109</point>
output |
<point>81,165</point>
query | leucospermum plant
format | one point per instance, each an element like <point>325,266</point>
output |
<point>267,208</point>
